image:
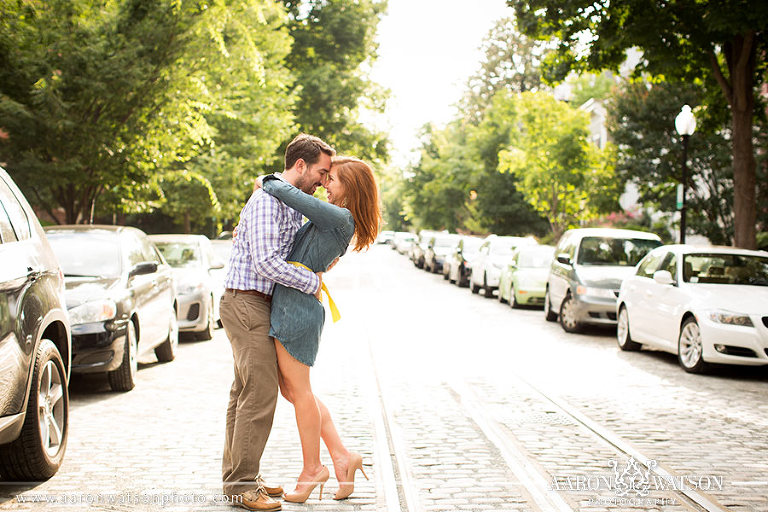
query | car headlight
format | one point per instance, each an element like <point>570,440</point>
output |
<point>606,293</point>
<point>729,317</point>
<point>90,312</point>
<point>189,288</point>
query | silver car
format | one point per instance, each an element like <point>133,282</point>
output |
<point>194,263</point>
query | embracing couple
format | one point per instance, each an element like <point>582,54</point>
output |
<point>273,317</point>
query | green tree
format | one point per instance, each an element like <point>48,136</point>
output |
<point>511,62</point>
<point>650,153</point>
<point>558,168</point>
<point>188,197</point>
<point>98,96</point>
<point>722,41</point>
<point>334,43</point>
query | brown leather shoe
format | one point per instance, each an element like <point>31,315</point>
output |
<point>273,491</point>
<point>256,499</point>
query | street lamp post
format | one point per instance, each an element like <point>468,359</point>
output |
<point>685,124</point>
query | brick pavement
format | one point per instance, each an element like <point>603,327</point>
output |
<point>421,341</point>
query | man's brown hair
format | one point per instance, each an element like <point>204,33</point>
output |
<point>308,148</point>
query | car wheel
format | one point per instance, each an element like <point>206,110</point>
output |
<point>623,336</point>
<point>550,315</point>
<point>487,291</point>
<point>512,299</point>
<point>207,334</point>
<point>39,450</point>
<point>568,320</point>
<point>499,297</point>
<point>124,378</point>
<point>472,286</point>
<point>167,351</point>
<point>689,348</point>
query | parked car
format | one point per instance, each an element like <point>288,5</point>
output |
<point>120,298</point>
<point>493,255</point>
<point>587,271</point>
<point>198,294</point>
<point>524,280</point>
<point>419,247</point>
<point>460,261</point>
<point>706,305</point>
<point>402,241</point>
<point>222,249</point>
<point>438,249</point>
<point>385,237</point>
<point>35,345</point>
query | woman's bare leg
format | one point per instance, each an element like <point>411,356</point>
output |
<point>332,440</point>
<point>295,377</point>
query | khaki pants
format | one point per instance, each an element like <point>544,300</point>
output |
<point>253,396</point>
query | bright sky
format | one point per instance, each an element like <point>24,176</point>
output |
<point>427,51</point>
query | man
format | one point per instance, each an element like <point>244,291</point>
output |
<point>264,238</point>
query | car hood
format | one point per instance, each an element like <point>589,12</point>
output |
<point>79,290</point>
<point>532,275</point>
<point>189,275</point>
<point>739,298</point>
<point>603,276</point>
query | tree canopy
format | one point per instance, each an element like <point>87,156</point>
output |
<point>709,41</point>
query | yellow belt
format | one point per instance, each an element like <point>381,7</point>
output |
<point>332,305</point>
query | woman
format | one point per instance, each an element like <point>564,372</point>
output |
<point>297,318</point>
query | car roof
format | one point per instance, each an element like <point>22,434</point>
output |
<point>713,249</point>
<point>103,228</point>
<point>178,237</point>
<point>611,232</point>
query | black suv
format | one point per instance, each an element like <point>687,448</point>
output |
<point>35,345</point>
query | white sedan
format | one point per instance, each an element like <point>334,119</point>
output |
<point>705,304</point>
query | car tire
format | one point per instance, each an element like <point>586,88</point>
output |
<point>550,315</point>
<point>472,286</point>
<point>207,333</point>
<point>487,291</point>
<point>124,378</point>
<point>512,300</point>
<point>690,349</point>
<point>166,352</point>
<point>567,315</point>
<point>623,336</point>
<point>39,450</point>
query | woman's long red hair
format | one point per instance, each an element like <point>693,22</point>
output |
<point>361,198</point>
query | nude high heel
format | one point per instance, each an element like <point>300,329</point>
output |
<point>348,486</point>
<point>301,496</point>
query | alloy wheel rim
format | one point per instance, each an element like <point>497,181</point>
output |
<point>50,403</point>
<point>622,327</point>
<point>133,360</point>
<point>569,317</point>
<point>690,345</point>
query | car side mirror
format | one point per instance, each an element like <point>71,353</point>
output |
<point>564,259</point>
<point>146,267</point>
<point>663,277</point>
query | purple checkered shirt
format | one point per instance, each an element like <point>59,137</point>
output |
<point>264,238</point>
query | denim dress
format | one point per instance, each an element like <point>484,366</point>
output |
<point>297,318</point>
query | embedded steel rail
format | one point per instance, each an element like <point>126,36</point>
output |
<point>535,482</point>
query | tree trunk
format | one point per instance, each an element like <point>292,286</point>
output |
<point>740,58</point>
<point>187,223</point>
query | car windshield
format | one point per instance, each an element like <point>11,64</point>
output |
<point>86,254</point>
<point>471,245</point>
<point>180,254</point>
<point>725,269</point>
<point>502,247</point>
<point>617,252</point>
<point>535,259</point>
<point>445,242</point>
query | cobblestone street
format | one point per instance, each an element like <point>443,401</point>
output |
<point>456,402</point>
